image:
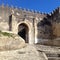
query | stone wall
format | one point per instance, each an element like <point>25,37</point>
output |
<point>20,14</point>
<point>42,27</point>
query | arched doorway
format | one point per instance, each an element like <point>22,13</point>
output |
<point>23,31</point>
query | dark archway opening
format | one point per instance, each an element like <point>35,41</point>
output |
<point>23,31</point>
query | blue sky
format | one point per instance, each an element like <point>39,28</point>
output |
<point>39,5</point>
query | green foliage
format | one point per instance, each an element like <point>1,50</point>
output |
<point>6,34</point>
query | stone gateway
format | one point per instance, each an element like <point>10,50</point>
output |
<point>34,27</point>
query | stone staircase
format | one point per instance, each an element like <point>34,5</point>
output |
<point>51,52</point>
<point>53,56</point>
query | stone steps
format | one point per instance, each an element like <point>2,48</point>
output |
<point>53,56</point>
<point>51,52</point>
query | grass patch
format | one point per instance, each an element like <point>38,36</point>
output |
<point>6,34</point>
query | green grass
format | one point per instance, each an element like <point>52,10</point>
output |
<point>6,34</point>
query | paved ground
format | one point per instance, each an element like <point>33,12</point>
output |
<point>27,53</point>
<point>30,52</point>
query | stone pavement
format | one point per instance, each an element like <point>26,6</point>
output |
<point>27,53</point>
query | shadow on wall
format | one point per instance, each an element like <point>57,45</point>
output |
<point>10,23</point>
<point>44,22</point>
<point>44,29</point>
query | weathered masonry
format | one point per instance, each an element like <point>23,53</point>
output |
<point>32,26</point>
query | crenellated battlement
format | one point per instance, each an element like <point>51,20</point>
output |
<point>55,11</point>
<point>23,9</point>
<point>31,10</point>
<point>18,11</point>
